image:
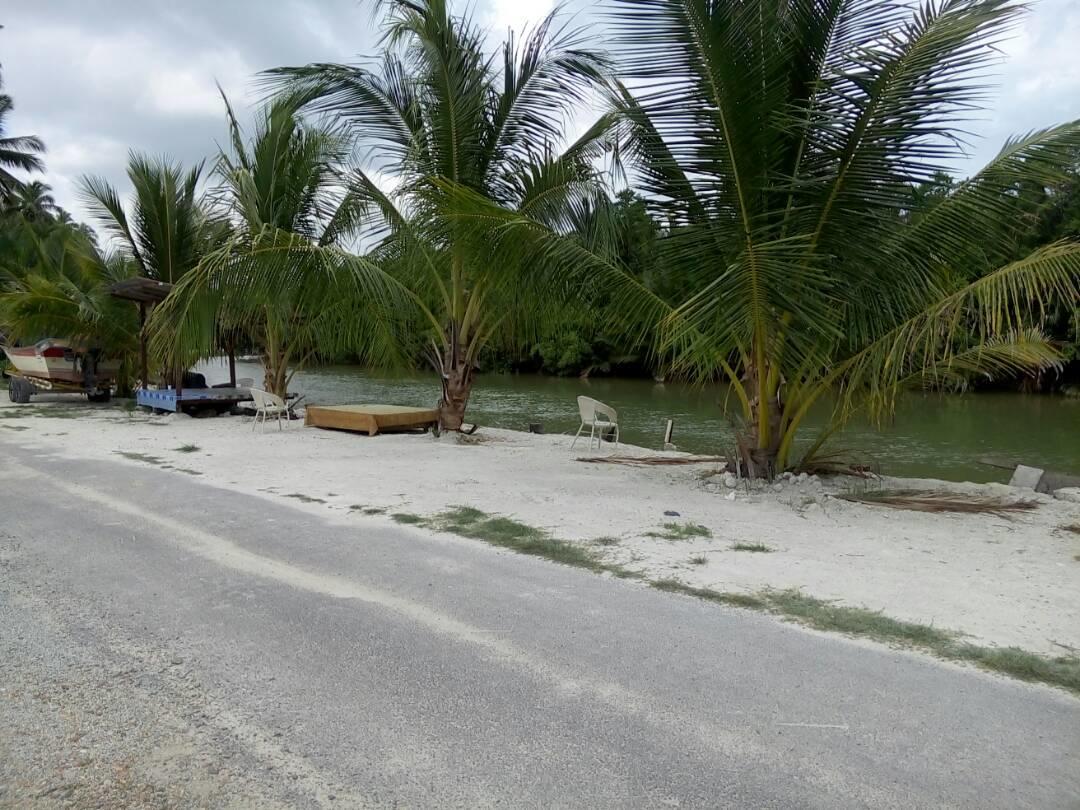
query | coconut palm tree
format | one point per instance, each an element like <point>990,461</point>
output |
<point>33,201</point>
<point>53,281</point>
<point>17,152</point>
<point>438,111</point>
<point>168,230</point>
<point>280,280</point>
<point>781,139</point>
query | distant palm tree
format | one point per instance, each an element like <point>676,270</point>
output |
<point>33,201</point>
<point>168,231</point>
<point>54,282</point>
<point>439,112</point>
<point>280,281</point>
<point>21,152</point>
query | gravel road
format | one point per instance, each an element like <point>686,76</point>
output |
<point>165,644</point>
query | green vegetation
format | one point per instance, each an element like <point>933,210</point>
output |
<point>681,531</point>
<point>187,448</point>
<point>699,559</point>
<point>300,496</point>
<point>783,159</point>
<point>146,458</point>
<point>788,226</point>
<point>407,518</point>
<point>606,540</point>
<point>756,547</point>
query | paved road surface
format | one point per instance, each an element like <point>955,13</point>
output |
<point>167,644</point>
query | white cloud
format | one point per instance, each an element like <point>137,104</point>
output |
<point>516,15</point>
<point>1038,81</point>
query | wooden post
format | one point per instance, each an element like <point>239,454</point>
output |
<point>232,364</point>
<point>144,374</point>
<point>668,430</point>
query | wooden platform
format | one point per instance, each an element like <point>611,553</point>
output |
<point>370,419</point>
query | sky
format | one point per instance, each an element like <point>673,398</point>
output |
<point>95,79</point>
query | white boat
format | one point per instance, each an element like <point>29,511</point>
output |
<point>53,364</point>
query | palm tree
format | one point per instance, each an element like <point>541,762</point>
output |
<point>19,152</point>
<point>33,201</point>
<point>438,112</point>
<point>781,139</point>
<point>280,281</point>
<point>168,231</point>
<point>53,281</point>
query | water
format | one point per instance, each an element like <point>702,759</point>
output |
<point>939,436</point>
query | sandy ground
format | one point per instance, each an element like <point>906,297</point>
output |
<point>1002,581</point>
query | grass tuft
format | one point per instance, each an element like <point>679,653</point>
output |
<point>759,548</point>
<point>407,518</point>
<point>1073,528</point>
<point>699,559</point>
<point>144,457</point>
<point>187,448</point>
<point>681,531</point>
<point>743,600</point>
<point>822,615</point>
<point>300,496</point>
<point>607,540</point>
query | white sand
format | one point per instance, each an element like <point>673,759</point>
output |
<point>1005,582</point>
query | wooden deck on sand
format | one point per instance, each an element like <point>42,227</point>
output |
<point>370,419</point>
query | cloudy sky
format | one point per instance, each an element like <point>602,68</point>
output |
<point>95,79</point>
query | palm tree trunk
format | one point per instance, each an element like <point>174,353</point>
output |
<point>759,447</point>
<point>457,376</point>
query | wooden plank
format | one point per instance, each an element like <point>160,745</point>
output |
<point>369,419</point>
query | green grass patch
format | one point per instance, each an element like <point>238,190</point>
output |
<point>699,559</point>
<point>743,600</point>
<point>146,458</point>
<point>300,496</point>
<point>187,448</point>
<point>407,518</point>
<point>466,521</point>
<point>822,615</point>
<point>759,548</point>
<point>681,531</point>
<point>607,540</point>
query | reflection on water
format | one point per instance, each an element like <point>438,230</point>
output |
<point>931,435</point>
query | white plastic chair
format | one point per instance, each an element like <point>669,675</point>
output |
<point>269,405</point>
<point>598,418</point>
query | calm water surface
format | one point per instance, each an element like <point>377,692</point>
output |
<point>940,436</point>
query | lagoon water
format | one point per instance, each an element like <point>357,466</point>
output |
<point>932,435</point>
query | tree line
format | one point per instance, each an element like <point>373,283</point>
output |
<point>760,199</point>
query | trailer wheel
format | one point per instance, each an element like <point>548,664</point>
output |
<point>19,390</point>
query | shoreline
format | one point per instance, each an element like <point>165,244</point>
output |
<point>1001,581</point>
